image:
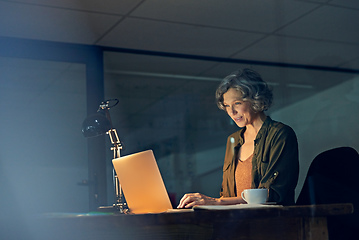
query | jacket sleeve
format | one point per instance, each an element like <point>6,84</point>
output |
<point>280,167</point>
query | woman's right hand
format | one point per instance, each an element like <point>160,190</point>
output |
<point>193,199</point>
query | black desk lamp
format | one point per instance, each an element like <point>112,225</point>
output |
<point>98,124</point>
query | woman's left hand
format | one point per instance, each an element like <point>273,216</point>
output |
<point>192,199</point>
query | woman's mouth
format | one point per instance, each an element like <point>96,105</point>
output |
<point>237,119</point>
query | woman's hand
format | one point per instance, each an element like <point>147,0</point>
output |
<point>192,199</point>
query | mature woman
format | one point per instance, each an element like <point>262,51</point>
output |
<point>262,154</point>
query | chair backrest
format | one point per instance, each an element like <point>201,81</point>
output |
<point>340,164</point>
<point>331,178</point>
<point>333,170</point>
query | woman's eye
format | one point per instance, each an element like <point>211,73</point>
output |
<point>238,103</point>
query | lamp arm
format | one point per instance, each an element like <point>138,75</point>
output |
<point>117,146</point>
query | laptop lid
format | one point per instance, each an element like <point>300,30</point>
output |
<point>142,183</point>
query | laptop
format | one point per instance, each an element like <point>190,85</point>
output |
<point>142,183</point>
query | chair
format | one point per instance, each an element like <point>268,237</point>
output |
<point>332,178</point>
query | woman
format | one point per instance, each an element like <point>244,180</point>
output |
<point>262,154</point>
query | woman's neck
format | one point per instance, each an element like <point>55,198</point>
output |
<point>253,128</point>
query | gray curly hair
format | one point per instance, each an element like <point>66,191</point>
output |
<point>251,87</point>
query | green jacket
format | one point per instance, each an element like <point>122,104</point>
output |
<point>275,162</point>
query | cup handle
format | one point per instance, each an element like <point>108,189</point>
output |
<point>242,195</point>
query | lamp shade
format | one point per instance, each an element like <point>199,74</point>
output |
<point>95,125</point>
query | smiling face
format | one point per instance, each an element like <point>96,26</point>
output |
<point>240,111</point>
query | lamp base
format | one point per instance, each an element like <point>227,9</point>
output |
<point>115,208</point>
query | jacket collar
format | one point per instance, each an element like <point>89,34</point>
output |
<point>262,132</point>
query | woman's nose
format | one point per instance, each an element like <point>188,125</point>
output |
<point>232,111</point>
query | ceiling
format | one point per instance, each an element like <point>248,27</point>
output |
<point>318,33</point>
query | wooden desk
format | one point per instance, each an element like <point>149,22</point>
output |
<point>294,222</point>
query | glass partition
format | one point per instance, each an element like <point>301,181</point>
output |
<point>43,153</point>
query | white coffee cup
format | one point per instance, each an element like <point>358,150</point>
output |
<point>255,196</point>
